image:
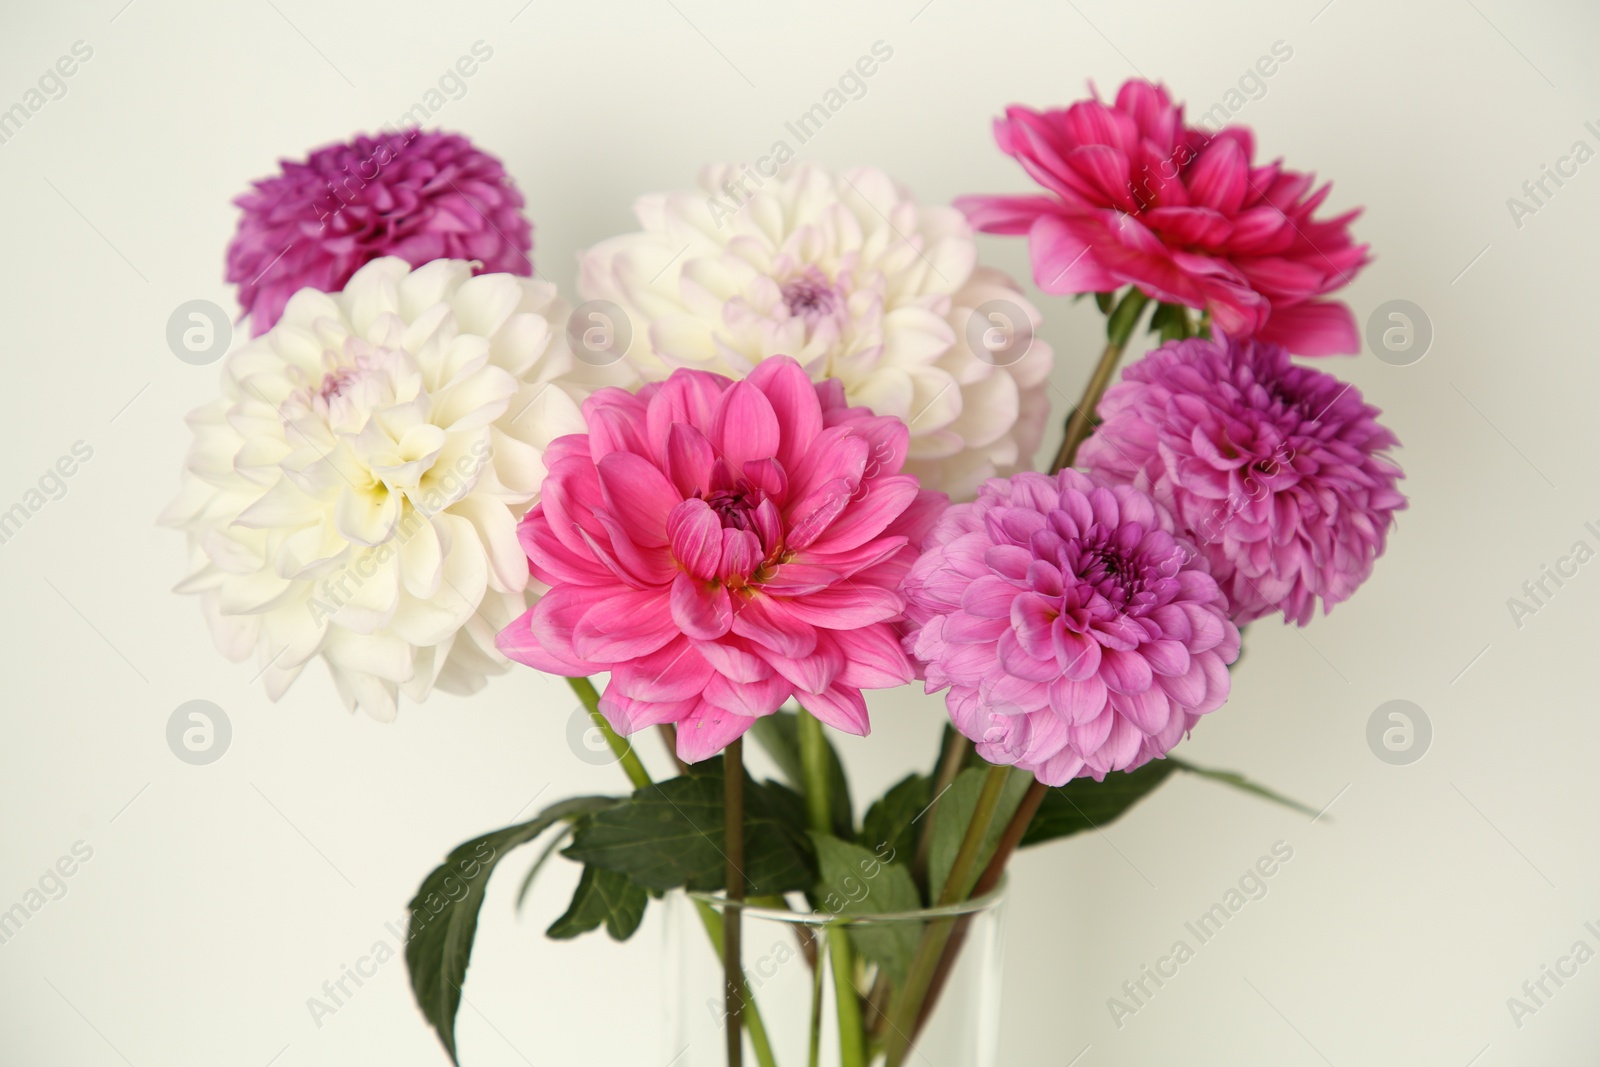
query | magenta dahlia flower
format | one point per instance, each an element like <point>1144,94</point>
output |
<point>1076,633</point>
<point>1134,196</point>
<point>1275,470</point>
<point>721,546</point>
<point>420,196</point>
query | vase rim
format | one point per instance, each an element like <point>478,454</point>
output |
<point>988,902</point>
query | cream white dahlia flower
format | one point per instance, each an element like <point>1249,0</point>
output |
<point>354,492</point>
<point>852,277</point>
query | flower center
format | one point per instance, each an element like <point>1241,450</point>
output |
<point>335,382</point>
<point>811,296</point>
<point>736,507</point>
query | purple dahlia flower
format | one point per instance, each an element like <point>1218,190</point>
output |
<point>417,195</point>
<point>1076,633</point>
<point>1275,470</point>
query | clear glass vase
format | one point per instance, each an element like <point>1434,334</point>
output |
<point>793,961</point>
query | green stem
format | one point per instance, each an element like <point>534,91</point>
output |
<point>732,912</point>
<point>639,777</point>
<point>956,748</point>
<point>819,813</point>
<point>631,764</point>
<point>1119,327</point>
<point>930,949</point>
<point>752,1014</point>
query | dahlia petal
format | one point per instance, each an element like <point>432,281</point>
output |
<point>518,642</point>
<point>701,609</point>
<point>689,459</point>
<point>696,538</point>
<point>769,623</point>
<point>844,607</point>
<point>748,698</point>
<point>1078,701</point>
<point>707,730</point>
<point>624,626</point>
<point>873,658</point>
<point>841,707</point>
<point>745,427</point>
<point>1125,672</point>
<point>638,495</point>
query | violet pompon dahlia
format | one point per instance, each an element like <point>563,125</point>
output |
<point>1274,469</point>
<point>1076,633</point>
<point>417,195</point>
<point>1133,195</point>
<point>721,546</point>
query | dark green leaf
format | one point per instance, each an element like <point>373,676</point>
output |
<point>1239,781</point>
<point>670,834</point>
<point>544,857</point>
<point>444,913</point>
<point>855,881</point>
<point>954,812</point>
<point>779,735</point>
<point>1085,804</point>
<point>888,825</point>
<point>606,897</point>
<point>1103,302</point>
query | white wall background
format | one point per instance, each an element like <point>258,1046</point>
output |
<point>219,898</point>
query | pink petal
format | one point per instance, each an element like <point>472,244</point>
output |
<point>841,707</point>
<point>701,609</point>
<point>769,623</point>
<point>744,427</point>
<point>624,626</point>
<point>639,495</point>
<point>695,533</point>
<point>707,730</point>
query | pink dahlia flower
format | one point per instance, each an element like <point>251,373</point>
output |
<point>419,196</point>
<point>1135,196</point>
<point>1276,470</point>
<point>1077,634</point>
<point>721,546</point>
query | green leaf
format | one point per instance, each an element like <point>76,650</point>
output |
<point>1103,302</point>
<point>670,834</point>
<point>889,827</point>
<point>1085,804</point>
<point>606,897</point>
<point>1239,781</point>
<point>855,881</point>
<point>444,913</point>
<point>779,735</point>
<point>955,810</point>
<point>544,857</point>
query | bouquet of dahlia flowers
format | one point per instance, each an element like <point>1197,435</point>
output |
<point>778,457</point>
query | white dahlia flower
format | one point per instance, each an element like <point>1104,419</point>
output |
<point>856,280</point>
<point>354,493</point>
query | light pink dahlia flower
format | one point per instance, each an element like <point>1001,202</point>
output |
<point>1133,195</point>
<point>1274,469</point>
<point>721,546</point>
<point>1076,633</point>
<point>418,195</point>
